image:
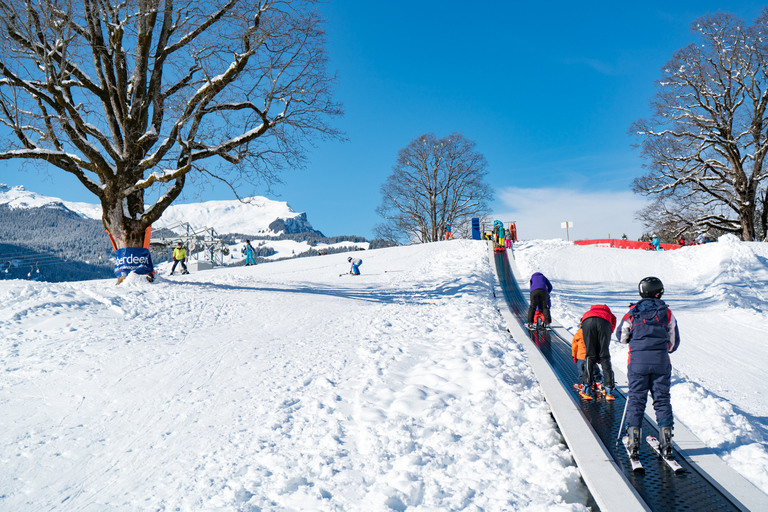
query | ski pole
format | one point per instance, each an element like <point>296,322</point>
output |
<point>621,425</point>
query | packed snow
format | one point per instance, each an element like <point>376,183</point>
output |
<point>285,386</point>
<point>719,295</point>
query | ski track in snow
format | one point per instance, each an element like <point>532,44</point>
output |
<point>277,387</point>
<point>718,293</point>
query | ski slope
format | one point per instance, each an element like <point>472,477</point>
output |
<point>277,387</point>
<point>285,386</point>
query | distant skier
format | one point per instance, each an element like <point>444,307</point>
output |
<point>540,289</point>
<point>249,253</point>
<point>655,243</point>
<point>356,262</point>
<point>597,325</point>
<point>180,256</point>
<point>650,329</point>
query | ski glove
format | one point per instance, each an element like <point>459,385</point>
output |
<point>574,359</point>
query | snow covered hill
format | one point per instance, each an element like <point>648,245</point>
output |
<point>289,387</point>
<point>259,216</point>
<point>275,388</point>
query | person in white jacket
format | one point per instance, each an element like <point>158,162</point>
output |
<point>356,262</point>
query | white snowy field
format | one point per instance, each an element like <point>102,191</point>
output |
<point>277,387</point>
<point>719,295</point>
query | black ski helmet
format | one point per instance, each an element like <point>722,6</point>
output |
<point>651,288</point>
<point>349,259</point>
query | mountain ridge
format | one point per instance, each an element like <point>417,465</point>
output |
<point>255,215</point>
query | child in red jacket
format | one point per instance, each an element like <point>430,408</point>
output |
<point>597,325</point>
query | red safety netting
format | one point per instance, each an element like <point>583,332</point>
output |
<point>624,244</point>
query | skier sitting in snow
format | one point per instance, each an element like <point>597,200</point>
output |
<point>356,262</point>
<point>540,289</point>
<point>179,256</point>
<point>650,329</point>
<point>579,353</point>
<point>597,325</point>
<point>655,243</point>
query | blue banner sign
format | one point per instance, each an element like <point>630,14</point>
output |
<point>133,259</point>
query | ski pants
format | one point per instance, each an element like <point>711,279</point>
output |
<point>597,339</point>
<point>539,297</point>
<point>183,265</point>
<point>249,259</point>
<point>356,269</point>
<point>643,378</point>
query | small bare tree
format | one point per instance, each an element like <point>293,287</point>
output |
<point>132,96</point>
<point>707,142</point>
<point>435,182</point>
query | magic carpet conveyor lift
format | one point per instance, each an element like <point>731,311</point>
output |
<point>591,430</point>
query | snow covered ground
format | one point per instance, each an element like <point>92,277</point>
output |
<point>719,294</point>
<point>286,386</point>
<point>277,387</point>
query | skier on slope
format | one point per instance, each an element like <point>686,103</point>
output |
<point>249,253</point>
<point>650,329</point>
<point>597,325</point>
<point>540,289</point>
<point>356,262</point>
<point>179,256</point>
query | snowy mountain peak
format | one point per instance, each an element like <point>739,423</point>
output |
<point>252,216</point>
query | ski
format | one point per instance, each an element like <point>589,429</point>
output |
<point>672,463</point>
<point>636,464</point>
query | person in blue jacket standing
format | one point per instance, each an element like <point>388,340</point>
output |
<point>249,253</point>
<point>540,289</point>
<point>650,329</point>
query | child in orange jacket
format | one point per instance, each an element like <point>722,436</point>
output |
<point>579,352</point>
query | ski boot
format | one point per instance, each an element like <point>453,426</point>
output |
<point>665,442</point>
<point>634,434</point>
<point>586,392</point>
<point>608,391</point>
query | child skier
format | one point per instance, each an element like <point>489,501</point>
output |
<point>650,329</point>
<point>356,262</point>
<point>597,325</point>
<point>579,353</point>
<point>540,289</point>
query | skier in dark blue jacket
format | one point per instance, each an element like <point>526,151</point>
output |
<point>540,288</point>
<point>650,329</point>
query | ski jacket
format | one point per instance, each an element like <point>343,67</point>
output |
<point>578,348</point>
<point>179,253</point>
<point>249,250</point>
<point>650,329</point>
<point>356,262</point>
<point>601,311</point>
<point>540,282</point>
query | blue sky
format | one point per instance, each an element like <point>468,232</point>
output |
<point>546,90</point>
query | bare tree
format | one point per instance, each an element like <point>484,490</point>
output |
<point>435,182</point>
<point>132,96</point>
<point>706,143</point>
